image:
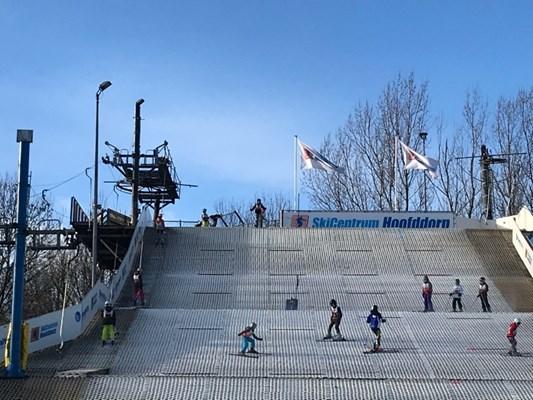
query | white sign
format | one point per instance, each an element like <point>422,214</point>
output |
<point>346,219</point>
<point>524,249</point>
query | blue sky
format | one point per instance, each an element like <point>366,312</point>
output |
<point>228,83</point>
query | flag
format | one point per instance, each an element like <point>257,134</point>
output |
<point>313,159</point>
<point>413,160</point>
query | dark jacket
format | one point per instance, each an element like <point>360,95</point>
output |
<point>336,314</point>
<point>109,317</point>
<point>258,208</point>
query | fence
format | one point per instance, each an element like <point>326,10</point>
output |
<point>45,329</point>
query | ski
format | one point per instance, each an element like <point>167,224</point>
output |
<point>245,355</point>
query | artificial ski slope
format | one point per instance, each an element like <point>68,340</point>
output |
<point>207,284</point>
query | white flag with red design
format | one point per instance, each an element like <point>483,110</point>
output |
<point>314,160</point>
<point>413,160</point>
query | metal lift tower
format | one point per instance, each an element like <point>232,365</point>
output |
<point>151,179</point>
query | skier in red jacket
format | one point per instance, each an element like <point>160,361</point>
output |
<point>511,336</point>
<point>248,339</point>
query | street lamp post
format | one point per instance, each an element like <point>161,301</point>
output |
<point>424,136</point>
<point>136,160</point>
<point>103,86</point>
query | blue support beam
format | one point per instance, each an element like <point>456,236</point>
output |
<point>14,370</point>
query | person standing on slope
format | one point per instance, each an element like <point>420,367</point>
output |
<point>335,321</point>
<point>511,336</point>
<point>138,291</point>
<point>375,319</point>
<point>248,339</point>
<point>483,294</point>
<point>160,230</point>
<point>427,292</point>
<point>456,294</point>
<point>109,321</point>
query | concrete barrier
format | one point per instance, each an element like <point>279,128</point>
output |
<point>519,223</point>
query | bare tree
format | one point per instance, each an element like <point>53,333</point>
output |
<point>333,190</point>
<point>365,148</point>
<point>508,176</point>
<point>469,139</point>
<point>45,271</point>
<point>525,114</point>
<point>404,113</point>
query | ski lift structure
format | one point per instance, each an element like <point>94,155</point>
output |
<point>486,161</point>
<point>149,177</point>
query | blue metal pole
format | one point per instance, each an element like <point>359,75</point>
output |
<point>24,137</point>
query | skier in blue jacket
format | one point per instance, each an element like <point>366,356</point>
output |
<point>375,319</point>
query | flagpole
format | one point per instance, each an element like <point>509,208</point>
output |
<point>295,172</point>
<point>395,204</point>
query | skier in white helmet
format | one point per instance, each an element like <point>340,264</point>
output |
<point>108,324</point>
<point>511,336</point>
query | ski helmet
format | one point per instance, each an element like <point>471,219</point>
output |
<point>333,303</point>
<point>517,321</point>
<point>374,308</point>
<point>253,325</point>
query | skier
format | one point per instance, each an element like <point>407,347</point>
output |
<point>456,294</point>
<point>335,321</point>
<point>427,292</point>
<point>138,292</point>
<point>483,294</point>
<point>160,230</point>
<point>511,336</point>
<point>259,209</point>
<point>108,324</point>
<point>375,319</point>
<point>248,339</point>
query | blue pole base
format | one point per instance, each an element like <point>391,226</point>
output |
<point>7,373</point>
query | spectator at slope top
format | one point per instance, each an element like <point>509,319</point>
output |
<point>427,292</point>
<point>259,209</point>
<point>204,219</point>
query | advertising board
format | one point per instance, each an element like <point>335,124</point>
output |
<point>347,219</point>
